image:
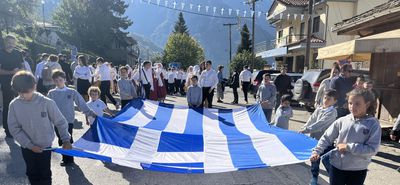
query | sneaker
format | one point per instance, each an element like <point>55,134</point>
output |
<point>220,101</point>
<point>62,163</point>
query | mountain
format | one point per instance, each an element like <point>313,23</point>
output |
<point>156,24</point>
<point>147,48</point>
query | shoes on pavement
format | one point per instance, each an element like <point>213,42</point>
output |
<point>9,136</point>
<point>220,101</point>
<point>66,163</point>
<point>314,181</point>
<point>234,102</point>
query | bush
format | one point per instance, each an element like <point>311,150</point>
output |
<point>245,58</point>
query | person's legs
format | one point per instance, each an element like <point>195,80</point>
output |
<point>210,97</point>
<point>107,92</point>
<point>356,177</point>
<point>268,114</point>
<point>124,103</point>
<point>235,95</point>
<point>8,96</point>
<point>182,87</point>
<point>65,159</point>
<point>278,101</point>
<point>37,166</point>
<point>104,89</point>
<point>205,94</point>
<point>177,84</point>
<point>245,86</point>
<point>337,177</point>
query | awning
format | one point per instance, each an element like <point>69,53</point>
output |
<point>360,49</point>
<point>277,52</point>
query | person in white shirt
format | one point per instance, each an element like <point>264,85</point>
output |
<point>145,78</point>
<point>208,82</point>
<point>189,74</point>
<point>103,73</point>
<point>178,81</point>
<point>38,73</point>
<point>245,80</point>
<point>83,74</point>
<point>171,81</point>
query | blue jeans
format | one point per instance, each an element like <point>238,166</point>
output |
<point>268,114</point>
<point>339,177</point>
<point>324,158</point>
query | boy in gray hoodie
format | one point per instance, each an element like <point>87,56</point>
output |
<point>65,98</point>
<point>319,121</point>
<point>266,96</point>
<point>357,135</point>
<point>127,90</point>
<point>35,131</point>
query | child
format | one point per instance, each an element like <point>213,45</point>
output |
<point>194,94</point>
<point>96,105</point>
<point>359,83</point>
<point>266,96</point>
<point>31,120</point>
<point>65,98</point>
<point>126,88</point>
<point>320,120</point>
<point>357,135</point>
<point>284,112</point>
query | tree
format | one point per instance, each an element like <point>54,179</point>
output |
<point>183,49</point>
<point>245,58</point>
<point>180,25</point>
<point>93,24</point>
<point>16,13</point>
<point>245,43</point>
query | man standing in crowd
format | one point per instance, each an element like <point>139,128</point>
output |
<point>103,73</point>
<point>283,83</point>
<point>146,78</point>
<point>38,72</point>
<point>235,85</point>
<point>208,82</point>
<point>10,62</point>
<point>343,84</point>
<point>245,80</point>
<point>62,60</point>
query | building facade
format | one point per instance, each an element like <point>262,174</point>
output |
<point>290,17</point>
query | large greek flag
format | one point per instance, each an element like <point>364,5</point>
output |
<point>172,138</point>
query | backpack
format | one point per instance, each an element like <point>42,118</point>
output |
<point>47,72</point>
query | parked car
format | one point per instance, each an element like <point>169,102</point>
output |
<point>257,79</point>
<point>305,89</point>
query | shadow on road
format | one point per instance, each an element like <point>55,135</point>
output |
<point>76,175</point>
<point>15,167</point>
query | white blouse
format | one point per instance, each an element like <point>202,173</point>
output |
<point>83,72</point>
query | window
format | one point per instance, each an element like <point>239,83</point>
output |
<point>290,34</point>
<point>280,34</point>
<point>316,22</point>
<point>302,27</point>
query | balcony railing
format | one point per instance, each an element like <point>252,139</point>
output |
<point>277,43</point>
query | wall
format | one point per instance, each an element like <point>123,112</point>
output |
<point>365,5</point>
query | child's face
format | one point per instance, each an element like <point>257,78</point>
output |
<point>28,95</point>
<point>267,79</point>
<point>124,73</point>
<point>328,101</point>
<point>94,96</point>
<point>357,106</point>
<point>359,82</point>
<point>60,82</point>
<point>194,81</point>
<point>368,86</point>
<point>285,104</point>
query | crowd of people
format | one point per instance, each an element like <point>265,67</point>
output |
<point>343,122</point>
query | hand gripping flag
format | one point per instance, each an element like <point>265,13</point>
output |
<point>172,138</point>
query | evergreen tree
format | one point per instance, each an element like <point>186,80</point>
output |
<point>245,58</point>
<point>180,25</point>
<point>245,43</point>
<point>93,24</point>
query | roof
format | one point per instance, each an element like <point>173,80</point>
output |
<point>373,13</point>
<point>314,39</point>
<point>294,2</point>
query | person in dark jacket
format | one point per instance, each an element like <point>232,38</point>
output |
<point>66,67</point>
<point>283,83</point>
<point>234,85</point>
<point>343,84</point>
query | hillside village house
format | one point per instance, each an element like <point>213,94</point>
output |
<point>290,19</point>
<point>377,33</point>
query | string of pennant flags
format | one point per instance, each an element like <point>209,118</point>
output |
<point>213,11</point>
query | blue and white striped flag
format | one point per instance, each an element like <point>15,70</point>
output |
<point>172,138</point>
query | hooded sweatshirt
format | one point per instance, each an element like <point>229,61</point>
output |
<point>31,123</point>
<point>362,136</point>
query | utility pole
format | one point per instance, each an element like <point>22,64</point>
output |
<point>253,40</point>
<point>230,39</point>
<point>309,27</point>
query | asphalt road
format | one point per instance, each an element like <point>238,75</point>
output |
<point>86,171</point>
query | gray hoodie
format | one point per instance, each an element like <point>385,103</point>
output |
<point>362,136</point>
<point>65,99</point>
<point>126,89</point>
<point>267,92</point>
<point>319,121</point>
<point>31,123</point>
